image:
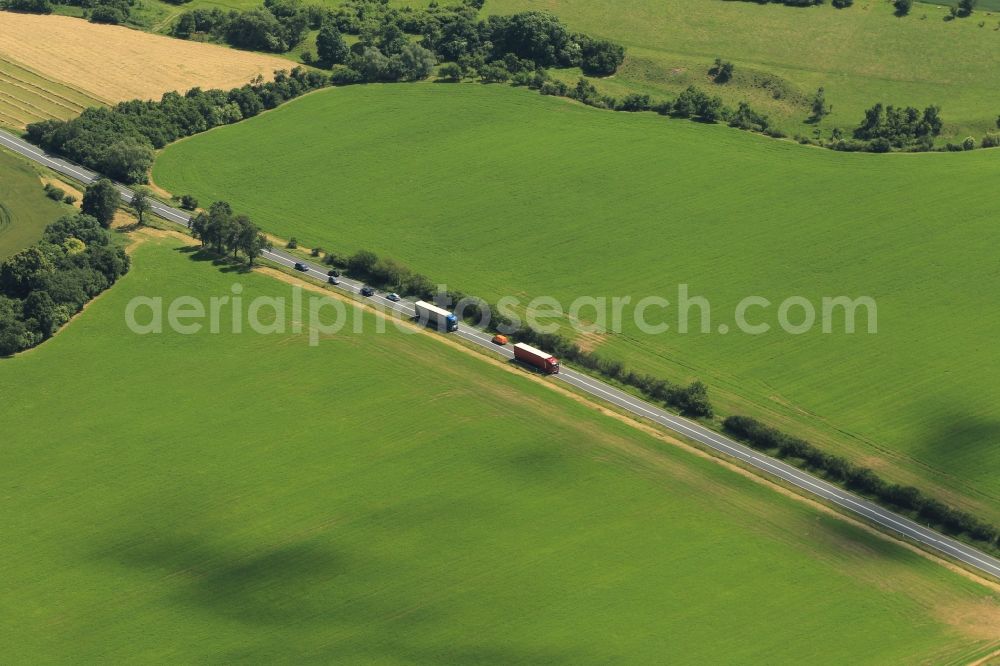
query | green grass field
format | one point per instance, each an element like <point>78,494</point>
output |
<point>27,97</point>
<point>499,191</point>
<point>860,55</point>
<point>24,209</point>
<point>388,499</point>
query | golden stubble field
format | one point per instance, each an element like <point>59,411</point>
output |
<point>114,63</point>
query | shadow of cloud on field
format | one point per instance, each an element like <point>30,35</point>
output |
<point>305,599</point>
<point>260,585</point>
<point>960,438</point>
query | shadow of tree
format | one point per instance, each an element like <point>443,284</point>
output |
<point>225,264</point>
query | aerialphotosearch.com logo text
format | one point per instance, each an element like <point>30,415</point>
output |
<point>320,316</point>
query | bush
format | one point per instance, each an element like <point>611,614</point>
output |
<point>54,193</point>
<point>188,202</point>
<point>903,7</point>
<point>634,102</point>
<point>991,140</point>
<point>695,103</point>
<point>316,251</point>
<point>292,243</point>
<point>554,88</point>
<point>722,72</point>
<point>969,143</point>
<point>69,199</point>
<point>746,118</point>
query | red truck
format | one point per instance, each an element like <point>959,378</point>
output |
<point>545,362</point>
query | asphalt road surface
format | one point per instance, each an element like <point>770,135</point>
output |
<point>850,502</point>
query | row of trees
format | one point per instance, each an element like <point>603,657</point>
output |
<point>863,480</point>
<point>98,11</point>
<point>119,141</point>
<point>385,273</point>
<point>221,230</point>
<point>42,286</point>
<point>691,103</point>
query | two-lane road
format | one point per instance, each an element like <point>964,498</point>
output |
<point>812,485</point>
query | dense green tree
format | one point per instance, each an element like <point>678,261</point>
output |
<point>15,335</point>
<point>256,29</point>
<point>108,14</point>
<point>451,71</point>
<point>330,45</point>
<point>27,6</point>
<point>599,57</point>
<point>84,228</point>
<point>966,7</point>
<point>100,201</point>
<point>141,203</point>
<point>249,240</point>
<point>128,160</point>
<point>412,63</point>
<point>48,317</point>
<point>362,262</point>
<point>372,64</point>
<point>25,271</point>
<point>903,7</point>
<point>535,36</point>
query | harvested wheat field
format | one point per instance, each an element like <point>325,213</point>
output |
<point>113,63</point>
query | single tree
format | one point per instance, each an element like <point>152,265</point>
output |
<point>254,245</point>
<point>100,200</point>
<point>820,108</point>
<point>966,7</point>
<point>330,45</point>
<point>141,204</point>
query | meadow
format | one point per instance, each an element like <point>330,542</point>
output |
<point>860,55</point>
<point>499,191</point>
<point>24,208</point>
<point>222,497</point>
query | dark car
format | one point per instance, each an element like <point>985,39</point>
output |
<point>299,266</point>
<point>333,273</point>
<point>333,280</point>
<point>367,291</point>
